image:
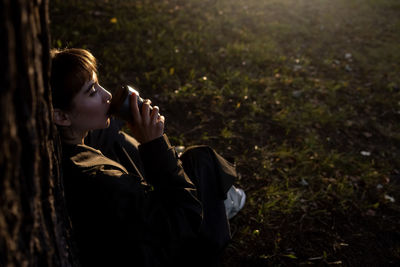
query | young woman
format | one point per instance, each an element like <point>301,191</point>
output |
<point>131,204</point>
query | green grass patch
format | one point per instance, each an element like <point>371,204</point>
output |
<point>304,95</point>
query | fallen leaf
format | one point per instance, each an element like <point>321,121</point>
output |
<point>365,153</point>
<point>370,212</point>
<point>390,198</point>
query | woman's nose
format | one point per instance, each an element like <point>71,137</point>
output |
<point>107,96</point>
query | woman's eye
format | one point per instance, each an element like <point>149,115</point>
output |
<point>93,91</point>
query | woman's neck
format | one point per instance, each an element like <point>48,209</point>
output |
<point>75,139</point>
<point>74,142</point>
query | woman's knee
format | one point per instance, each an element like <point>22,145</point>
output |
<point>199,152</point>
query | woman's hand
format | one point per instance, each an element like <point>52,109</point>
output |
<point>146,126</point>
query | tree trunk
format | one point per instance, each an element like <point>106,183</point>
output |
<point>34,226</point>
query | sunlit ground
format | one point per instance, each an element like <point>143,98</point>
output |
<point>303,94</point>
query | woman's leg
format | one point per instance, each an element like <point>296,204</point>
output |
<point>212,176</point>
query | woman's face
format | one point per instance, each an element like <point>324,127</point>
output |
<point>90,107</point>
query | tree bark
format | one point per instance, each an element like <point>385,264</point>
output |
<point>34,226</point>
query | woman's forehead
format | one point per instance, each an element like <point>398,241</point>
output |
<point>94,76</point>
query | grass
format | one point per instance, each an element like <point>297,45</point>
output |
<point>304,95</point>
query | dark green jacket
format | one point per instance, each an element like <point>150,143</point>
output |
<point>121,220</point>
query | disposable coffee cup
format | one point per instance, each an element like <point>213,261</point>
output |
<point>120,106</point>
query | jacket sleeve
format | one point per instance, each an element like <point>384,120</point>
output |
<point>164,172</point>
<point>153,221</point>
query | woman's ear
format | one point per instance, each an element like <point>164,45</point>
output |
<point>61,118</point>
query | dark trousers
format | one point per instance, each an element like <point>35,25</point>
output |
<point>213,176</point>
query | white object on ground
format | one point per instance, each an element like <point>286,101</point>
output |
<point>235,199</point>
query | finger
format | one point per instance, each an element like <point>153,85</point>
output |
<point>135,109</point>
<point>155,114</point>
<point>146,111</point>
<point>160,124</point>
<point>161,119</point>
